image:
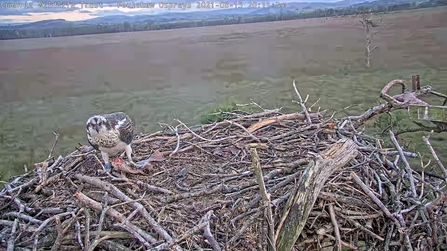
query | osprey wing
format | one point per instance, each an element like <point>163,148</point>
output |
<point>123,124</point>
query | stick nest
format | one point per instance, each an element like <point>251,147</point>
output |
<point>198,191</point>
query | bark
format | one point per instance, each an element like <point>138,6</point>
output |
<point>303,198</point>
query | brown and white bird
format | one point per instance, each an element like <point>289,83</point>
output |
<point>111,134</point>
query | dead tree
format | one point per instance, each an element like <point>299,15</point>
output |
<point>368,24</point>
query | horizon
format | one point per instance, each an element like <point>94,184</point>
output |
<point>19,12</point>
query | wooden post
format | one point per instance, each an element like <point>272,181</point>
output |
<point>416,84</point>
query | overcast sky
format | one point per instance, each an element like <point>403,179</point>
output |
<point>30,11</point>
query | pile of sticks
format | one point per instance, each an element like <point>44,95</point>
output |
<point>264,181</point>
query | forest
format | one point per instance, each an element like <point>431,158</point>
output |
<point>18,32</point>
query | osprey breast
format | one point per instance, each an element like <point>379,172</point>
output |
<point>106,139</point>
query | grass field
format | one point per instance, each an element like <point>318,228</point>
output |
<point>55,84</point>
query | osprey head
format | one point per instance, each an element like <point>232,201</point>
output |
<point>96,124</point>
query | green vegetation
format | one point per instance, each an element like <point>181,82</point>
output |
<point>396,121</point>
<point>408,132</point>
<point>224,110</point>
<point>16,161</point>
<point>9,32</point>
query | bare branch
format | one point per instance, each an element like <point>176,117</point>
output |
<point>309,121</point>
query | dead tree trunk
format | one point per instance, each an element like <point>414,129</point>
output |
<point>302,199</point>
<point>368,25</point>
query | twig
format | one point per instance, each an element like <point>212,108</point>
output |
<point>186,235</point>
<point>373,197</point>
<point>78,234</point>
<point>407,165</point>
<point>23,217</point>
<point>364,229</point>
<point>388,152</point>
<point>60,234</point>
<point>207,231</point>
<point>178,141</point>
<point>97,242</point>
<point>100,224</point>
<point>25,185</point>
<point>245,130</point>
<point>136,231</point>
<point>256,165</point>
<point>316,102</point>
<point>43,225</point>
<point>113,246</point>
<point>11,239</point>
<point>135,205</point>
<point>176,197</point>
<point>47,182</point>
<point>112,234</point>
<point>306,113</point>
<point>147,186</point>
<point>433,152</point>
<point>73,220</point>
<point>202,138</point>
<point>87,228</point>
<point>244,227</point>
<point>335,224</point>
<point>54,144</point>
<point>183,237</point>
<point>283,183</point>
<point>256,104</point>
<point>347,245</point>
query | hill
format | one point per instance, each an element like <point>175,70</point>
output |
<point>175,20</point>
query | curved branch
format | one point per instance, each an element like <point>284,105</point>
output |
<point>398,101</point>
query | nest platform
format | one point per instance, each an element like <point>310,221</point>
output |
<point>240,184</point>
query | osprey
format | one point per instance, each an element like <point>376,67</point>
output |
<point>111,134</point>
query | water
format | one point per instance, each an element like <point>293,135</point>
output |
<point>55,84</point>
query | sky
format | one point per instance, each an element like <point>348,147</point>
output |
<point>12,11</point>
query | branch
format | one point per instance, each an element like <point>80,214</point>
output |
<point>368,191</point>
<point>433,152</point>
<point>54,144</point>
<point>361,227</point>
<point>137,232</point>
<point>306,113</point>
<point>256,165</point>
<point>397,101</point>
<point>207,231</point>
<point>120,195</point>
<point>407,165</point>
<point>336,229</point>
<point>277,119</point>
<point>302,199</point>
<point>97,240</point>
<point>12,237</point>
<point>406,98</point>
<point>440,95</point>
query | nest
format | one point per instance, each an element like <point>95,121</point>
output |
<point>302,181</point>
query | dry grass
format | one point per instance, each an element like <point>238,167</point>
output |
<point>54,84</point>
<point>155,59</point>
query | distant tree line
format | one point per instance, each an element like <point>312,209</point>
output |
<point>10,32</point>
